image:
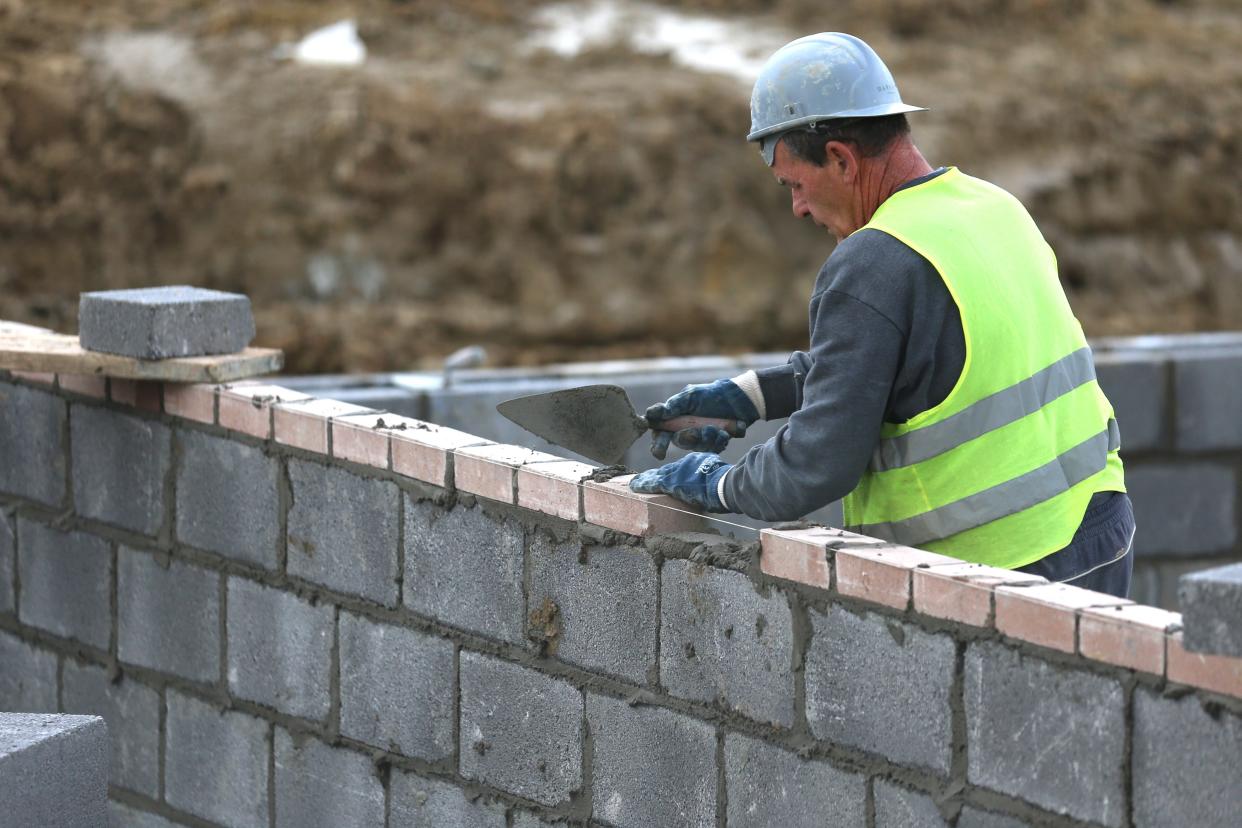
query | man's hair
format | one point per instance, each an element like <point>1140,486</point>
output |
<point>870,135</point>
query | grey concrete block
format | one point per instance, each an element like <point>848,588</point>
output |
<point>1184,764</point>
<point>595,606</point>
<point>1209,397</point>
<point>1182,509</point>
<point>464,568</point>
<point>32,425</point>
<point>162,322</point>
<point>119,466</point>
<point>123,816</point>
<point>1070,755</point>
<point>651,766</point>
<point>721,641</point>
<point>1211,604</point>
<point>521,731</point>
<point>168,617</point>
<point>66,580</point>
<point>768,786</point>
<point>1138,387</point>
<point>227,499</point>
<point>898,807</point>
<point>28,677</point>
<point>852,655</point>
<point>972,817</point>
<point>397,688</point>
<point>54,770</point>
<point>426,803</point>
<point>8,564</point>
<point>132,712</point>
<point>215,765</point>
<point>342,531</point>
<point>280,649</point>
<point>319,785</point>
<point>525,819</point>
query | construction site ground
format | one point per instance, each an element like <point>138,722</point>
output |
<point>477,181</point>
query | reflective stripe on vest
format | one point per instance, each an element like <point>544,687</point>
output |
<point>988,414</point>
<point>1012,496</point>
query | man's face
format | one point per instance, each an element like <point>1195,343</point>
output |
<point>822,194</point>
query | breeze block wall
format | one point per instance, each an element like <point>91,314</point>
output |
<point>300,612</point>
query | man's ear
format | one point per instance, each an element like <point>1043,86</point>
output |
<point>842,159</point>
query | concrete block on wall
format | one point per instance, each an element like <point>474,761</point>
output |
<point>595,606</point>
<point>320,785</point>
<point>123,816</point>
<point>397,689</point>
<point>8,564</point>
<point>66,580</point>
<point>1183,509</point>
<point>1137,385</point>
<point>54,770</point>
<point>1064,713</point>
<point>721,641</point>
<point>1209,397</point>
<point>651,766</point>
<point>216,762</point>
<point>1184,763</point>
<point>428,803</point>
<point>342,531</point>
<point>227,500</point>
<point>1211,604</point>
<point>168,617</point>
<point>521,731</point>
<point>162,322</point>
<point>768,786</point>
<point>850,656</point>
<point>279,649</point>
<point>119,466</point>
<point>972,817</point>
<point>31,442</point>
<point>132,712</point>
<point>28,680</point>
<point>898,807</point>
<point>464,568</point>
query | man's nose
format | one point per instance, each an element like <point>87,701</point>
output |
<point>799,207</point>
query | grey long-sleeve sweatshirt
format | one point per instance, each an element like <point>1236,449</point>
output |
<point>886,344</point>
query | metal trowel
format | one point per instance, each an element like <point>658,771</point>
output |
<point>596,421</point>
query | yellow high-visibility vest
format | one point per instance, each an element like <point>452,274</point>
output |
<point>1001,471</point>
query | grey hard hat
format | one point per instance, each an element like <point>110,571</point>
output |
<point>817,78</point>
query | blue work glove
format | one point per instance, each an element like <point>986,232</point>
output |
<point>694,479</point>
<point>722,398</point>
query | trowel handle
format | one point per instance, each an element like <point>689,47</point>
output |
<point>734,428</point>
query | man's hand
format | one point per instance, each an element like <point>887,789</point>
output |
<point>722,398</point>
<point>694,479</point>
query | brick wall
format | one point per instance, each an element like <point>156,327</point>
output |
<point>292,614</point>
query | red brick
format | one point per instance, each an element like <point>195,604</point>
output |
<point>878,573</point>
<point>553,488</point>
<point>193,402</point>
<point>962,591</point>
<point>613,506</point>
<point>1130,635</point>
<point>424,451</point>
<point>488,471</point>
<point>1046,614</point>
<point>1218,674</point>
<point>145,394</point>
<point>305,424</point>
<point>248,407</point>
<point>363,438</point>
<point>37,377</point>
<point>88,385</point>
<point>799,555</point>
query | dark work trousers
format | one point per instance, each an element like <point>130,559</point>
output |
<point>1100,556</point>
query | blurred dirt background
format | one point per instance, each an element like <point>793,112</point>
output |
<point>462,187</point>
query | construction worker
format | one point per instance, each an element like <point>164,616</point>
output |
<point>948,394</point>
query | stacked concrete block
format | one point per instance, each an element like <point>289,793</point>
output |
<point>769,786</point>
<point>342,531</point>
<point>320,785</point>
<point>227,499</point>
<point>32,426</point>
<point>397,688</point>
<point>427,803</point>
<point>724,642</point>
<point>1184,508</point>
<point>28,677</point>
<point>168,616</point>
<point>112,482</point>
<point>53,564</point>
<point>132,712</point>
<point>595,606</point>
<point>162,322</point>
<point>1209,396</point>
<point>1138,388</point>
<point>53,770</point>
<point>465,568</point>
<point>1211,605</point>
